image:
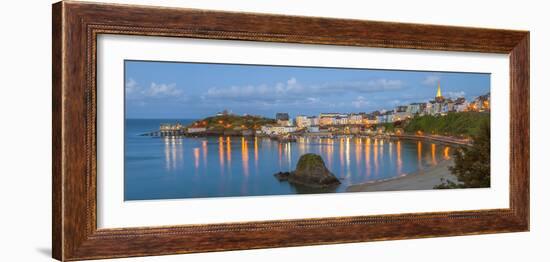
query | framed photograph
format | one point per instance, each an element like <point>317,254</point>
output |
<point>182,130</point>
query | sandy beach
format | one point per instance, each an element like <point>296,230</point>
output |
<point>422,179</point>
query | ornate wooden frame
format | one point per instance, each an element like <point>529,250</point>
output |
<point>76,26</point>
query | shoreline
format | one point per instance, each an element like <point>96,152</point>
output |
<point>447,140</point>
<point>419,180</point>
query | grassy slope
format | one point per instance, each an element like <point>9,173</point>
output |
<point>455,124</point>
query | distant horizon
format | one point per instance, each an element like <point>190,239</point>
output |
<point>179,90</point>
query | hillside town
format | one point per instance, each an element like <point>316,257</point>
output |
<point>358,122</point>
<point>284,127</point>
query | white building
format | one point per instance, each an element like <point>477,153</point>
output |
<point>481,103</point>
<point>429,108</point>
<point>171,127</point>
<point>461,107</point>
<point>313,120</point>
<point>434,107</point>
<point>277,130</point>
<point>342,119</point>
<point>400,116</point>
<point>192,130</point>
<point>287,122</point>
<point>372,119</point>
<point>416,108</point>
<point>327,119</point>
<point>302,121</point>
<point>355,119</point>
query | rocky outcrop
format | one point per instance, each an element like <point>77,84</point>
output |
<point>282,176</point>
<point>310,171</point>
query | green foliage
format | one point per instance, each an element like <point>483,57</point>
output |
<point>306,161</point>
<point>473,163</point>
<point>453,124</point>
<point>389,127</point>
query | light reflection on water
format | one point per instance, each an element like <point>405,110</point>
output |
<point>175,167</point>
<point>362,148</point>
<point>244,152</point>
<point>173,152</point>
<point>224,166</point>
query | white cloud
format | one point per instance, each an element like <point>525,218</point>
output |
<point>431,80</point>
<point>162,90</point>
<point>292,90</point>
<point>135,91</point>
<point>370,86</point>
<point>312,100</point>
<point>455,94</point>
<point>131,86</point>
<point>359,102</point>
<point>395,102</point>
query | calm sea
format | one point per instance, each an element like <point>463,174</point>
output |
<point>171,168</point>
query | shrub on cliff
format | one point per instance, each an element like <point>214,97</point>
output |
<point>473,163</point>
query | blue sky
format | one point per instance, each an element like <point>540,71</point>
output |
<point>197,90</point>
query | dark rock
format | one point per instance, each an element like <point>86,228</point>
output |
<point>282,176</point>
<point>310,171</point>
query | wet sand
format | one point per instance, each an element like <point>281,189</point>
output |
<point>420,180</point>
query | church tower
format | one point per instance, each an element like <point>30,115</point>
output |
<point>438,96</point>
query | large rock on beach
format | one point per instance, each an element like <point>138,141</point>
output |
<point>310,171</point>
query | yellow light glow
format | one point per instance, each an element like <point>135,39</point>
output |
<point>228,151</point>
<point>434,160</point>
<point>244,152</point>
<point>196,153</point>
<point>220,151</point>
<point>399,161</point>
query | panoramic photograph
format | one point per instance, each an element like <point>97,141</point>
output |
<point>198,130</point>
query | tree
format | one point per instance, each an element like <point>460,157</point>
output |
<point>473,163</point>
